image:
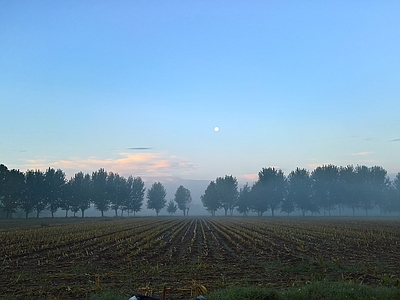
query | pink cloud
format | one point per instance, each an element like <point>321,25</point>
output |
<point>248,177</point>
<point>135,164</point>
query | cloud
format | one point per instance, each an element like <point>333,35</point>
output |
<point>248,177</point>
<point>395,140</point>
<point>139,148</point>
<point>313,166</point>
<point>135,164</point>
<point>363,153</point>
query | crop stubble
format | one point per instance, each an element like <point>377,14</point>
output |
<point>71,260</point>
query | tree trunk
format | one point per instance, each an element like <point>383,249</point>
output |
<point>272,212</point>
<point>83,212</point>
<point>26,215</point>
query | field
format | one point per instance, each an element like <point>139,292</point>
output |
<point>74,258</point>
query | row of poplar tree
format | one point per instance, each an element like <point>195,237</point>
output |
<point>326,188</point>
<point>37,191</point>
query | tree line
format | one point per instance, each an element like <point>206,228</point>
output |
<point>326,188</point>
<point>37,191</point>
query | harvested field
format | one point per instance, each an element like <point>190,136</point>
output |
<point>73,258</point>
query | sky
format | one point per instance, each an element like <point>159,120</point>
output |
<point>137,87</point>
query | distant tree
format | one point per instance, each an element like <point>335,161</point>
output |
<point>244,200</point>
<point>371,183</point>
<point>99,191</point>
<point>66,202</point>
<point>396,193</point>
<point>171,207</point>
<point>183,199</point>
<point>388,203</point>
<point>12,192</point>
<point>79,188</point>
<point>288,203</point>
<point>35,193</point>
<point>269,190</point>
<point>210,198</point>
<point>325,186</point>
<point>349,187</point>
<point>54,181</point>
<point>117,191</point>
<point>299,190</point>
<point>3,175</point>
<point>137,191</point>
<point>380,183</point>
<point>156,197</point>
<point>258,202</point>
<point>227,192</point>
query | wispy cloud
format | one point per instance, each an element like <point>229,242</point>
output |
<point>248,177</point>
<point>139,148</point>
<point>136,164</point>
<point>316,165</point>
<point>395,140</point>
<point>363,153</point>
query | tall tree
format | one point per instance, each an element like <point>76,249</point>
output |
<point>366,191</point>
<point>156,197</point>
<point>12,192</point>
<point>325,184</point>
<point>349,187</point>
<point>35,190</point>
<point>210,198</point>
<point>117,191</point>
<point>244,200</point>
<point>183,199</point>
<point>299,190</point>
<point>396,193</point>
<point>99,191</point>
<point>3,176</point>
<point>380,183</point>
<point>227,192</point>
<point>80,192</point>
<point>136,197</point>
<point>269,190</point>
<point>54,181</point>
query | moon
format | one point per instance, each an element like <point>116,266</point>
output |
<point>216,128</point>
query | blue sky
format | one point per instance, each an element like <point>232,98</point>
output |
<point>289,83</point>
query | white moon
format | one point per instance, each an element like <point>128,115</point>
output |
<point>216,128</point>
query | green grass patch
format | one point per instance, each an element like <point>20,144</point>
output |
<point>319,290</point>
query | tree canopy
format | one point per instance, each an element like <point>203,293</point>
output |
<point>183,199</point>
<point>156,197</point>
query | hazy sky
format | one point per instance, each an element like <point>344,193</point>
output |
<point>137,87</point>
